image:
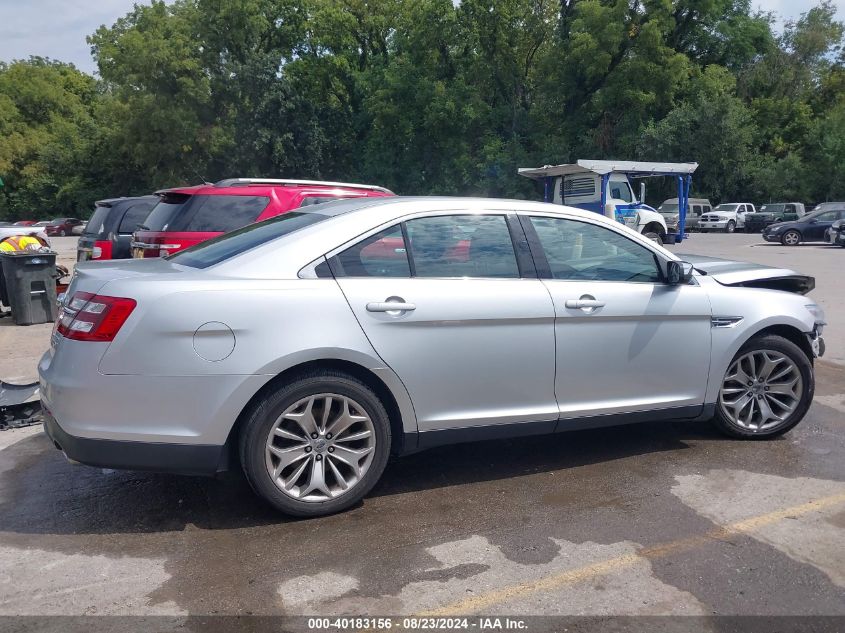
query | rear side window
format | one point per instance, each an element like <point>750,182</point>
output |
<point>380,255</point>
<point>135,215</point>
<point>308,201</point>
<point>462,246</point>
<point>223,247</point>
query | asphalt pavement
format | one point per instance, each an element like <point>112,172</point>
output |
<point>661,518</point>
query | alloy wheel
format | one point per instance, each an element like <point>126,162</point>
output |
<point>761,390</point>
<point>320,447</point>
<point>791,238</point>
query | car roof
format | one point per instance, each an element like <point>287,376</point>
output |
<point>108,202</point>
<point>251,186</point>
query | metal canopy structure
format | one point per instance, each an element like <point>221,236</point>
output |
<point>632,169</point>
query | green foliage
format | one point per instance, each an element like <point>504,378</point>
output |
<point>428,97</point>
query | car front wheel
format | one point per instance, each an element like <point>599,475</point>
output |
<point>656,237</point>
<point>731,227</point>
<point>791,238</point>
<point>766,391</point>
<point>316,445</point>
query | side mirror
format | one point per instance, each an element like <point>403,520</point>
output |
<point>642,191</point>
<point>678,273</point>
<point>812,221</point>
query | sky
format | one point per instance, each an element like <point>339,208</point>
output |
<point>57,28</point>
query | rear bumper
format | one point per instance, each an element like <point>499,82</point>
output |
<point>186,459</point>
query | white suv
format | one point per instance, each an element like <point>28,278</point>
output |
<point>727,217</point>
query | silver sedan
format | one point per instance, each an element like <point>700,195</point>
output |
<point>309,347</point>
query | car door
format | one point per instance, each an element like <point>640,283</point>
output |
<point>625,340</point>
<point>740,216</point>
<point>815,229</point>
<point>472,332</point>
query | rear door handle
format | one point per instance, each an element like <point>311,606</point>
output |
<point>390,306</point>
<point>575,304</point>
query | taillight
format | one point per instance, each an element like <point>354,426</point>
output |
<point>101,250</point>
<point>90,317</point>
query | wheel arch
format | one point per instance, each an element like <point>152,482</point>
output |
<point>399,423</point>
<point>790,333</point>
<point>655,227</point>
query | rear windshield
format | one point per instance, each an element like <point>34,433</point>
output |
<point>221,248</point>
<point>204,213</point>
<point>97,224</point>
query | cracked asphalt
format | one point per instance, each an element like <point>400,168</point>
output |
<point>657,518</point>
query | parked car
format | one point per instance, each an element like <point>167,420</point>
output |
<point>829,206</point>
<point>771,213</point>
<point>669,209</point>
<point>836,233</point>
<point>108,234</point>
<point>189,215</point>
<point>312,345</point>
<point>812,227</point>
<point>24,222</point>
<point>63,226</point>
<point>726,217</point>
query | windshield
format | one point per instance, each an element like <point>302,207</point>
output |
<point>57,221</point>
<point>204,213</point>
<point>726,207</point>
<point>668,208</point>
<point>97,224</point>
<point>221,248</point>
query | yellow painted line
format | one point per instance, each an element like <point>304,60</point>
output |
<point>574,576</point>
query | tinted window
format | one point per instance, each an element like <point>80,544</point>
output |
<point>380,255</point>
<point>311,200</point>
<point>827,216</point>
<point>162,213</point>
<point>97,224</point>
<point>462,246</point>
<point>706,209</point>
<point>135,215</point>
<point>581,251</point>
<point>219,213</point>
<point>696,209</point>
<point>223,247</point>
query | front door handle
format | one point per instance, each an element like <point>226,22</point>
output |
<point>584,304</point>
<point>390,306</point>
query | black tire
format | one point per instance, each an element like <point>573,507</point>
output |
<point>730,227</point>
<point>261,418</point>
<point>805,367</point>
<point>654,236</point>
<point>63,233</point>
<point>783,239</point>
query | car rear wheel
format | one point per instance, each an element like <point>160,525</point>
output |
<point>766,391</point>
<point>791,238</point>
<point>317,445</point>
<point>731,227</point>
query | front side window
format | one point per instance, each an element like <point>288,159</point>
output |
<point>462,246</point>
<point>621,191</point>
<point>579,251</point>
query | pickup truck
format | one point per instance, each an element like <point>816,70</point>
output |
<point>727,217</point>
<point>771,213</point>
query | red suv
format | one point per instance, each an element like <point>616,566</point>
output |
<point>188,215</point>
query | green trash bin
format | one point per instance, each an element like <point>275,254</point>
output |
<point>29,286</point>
